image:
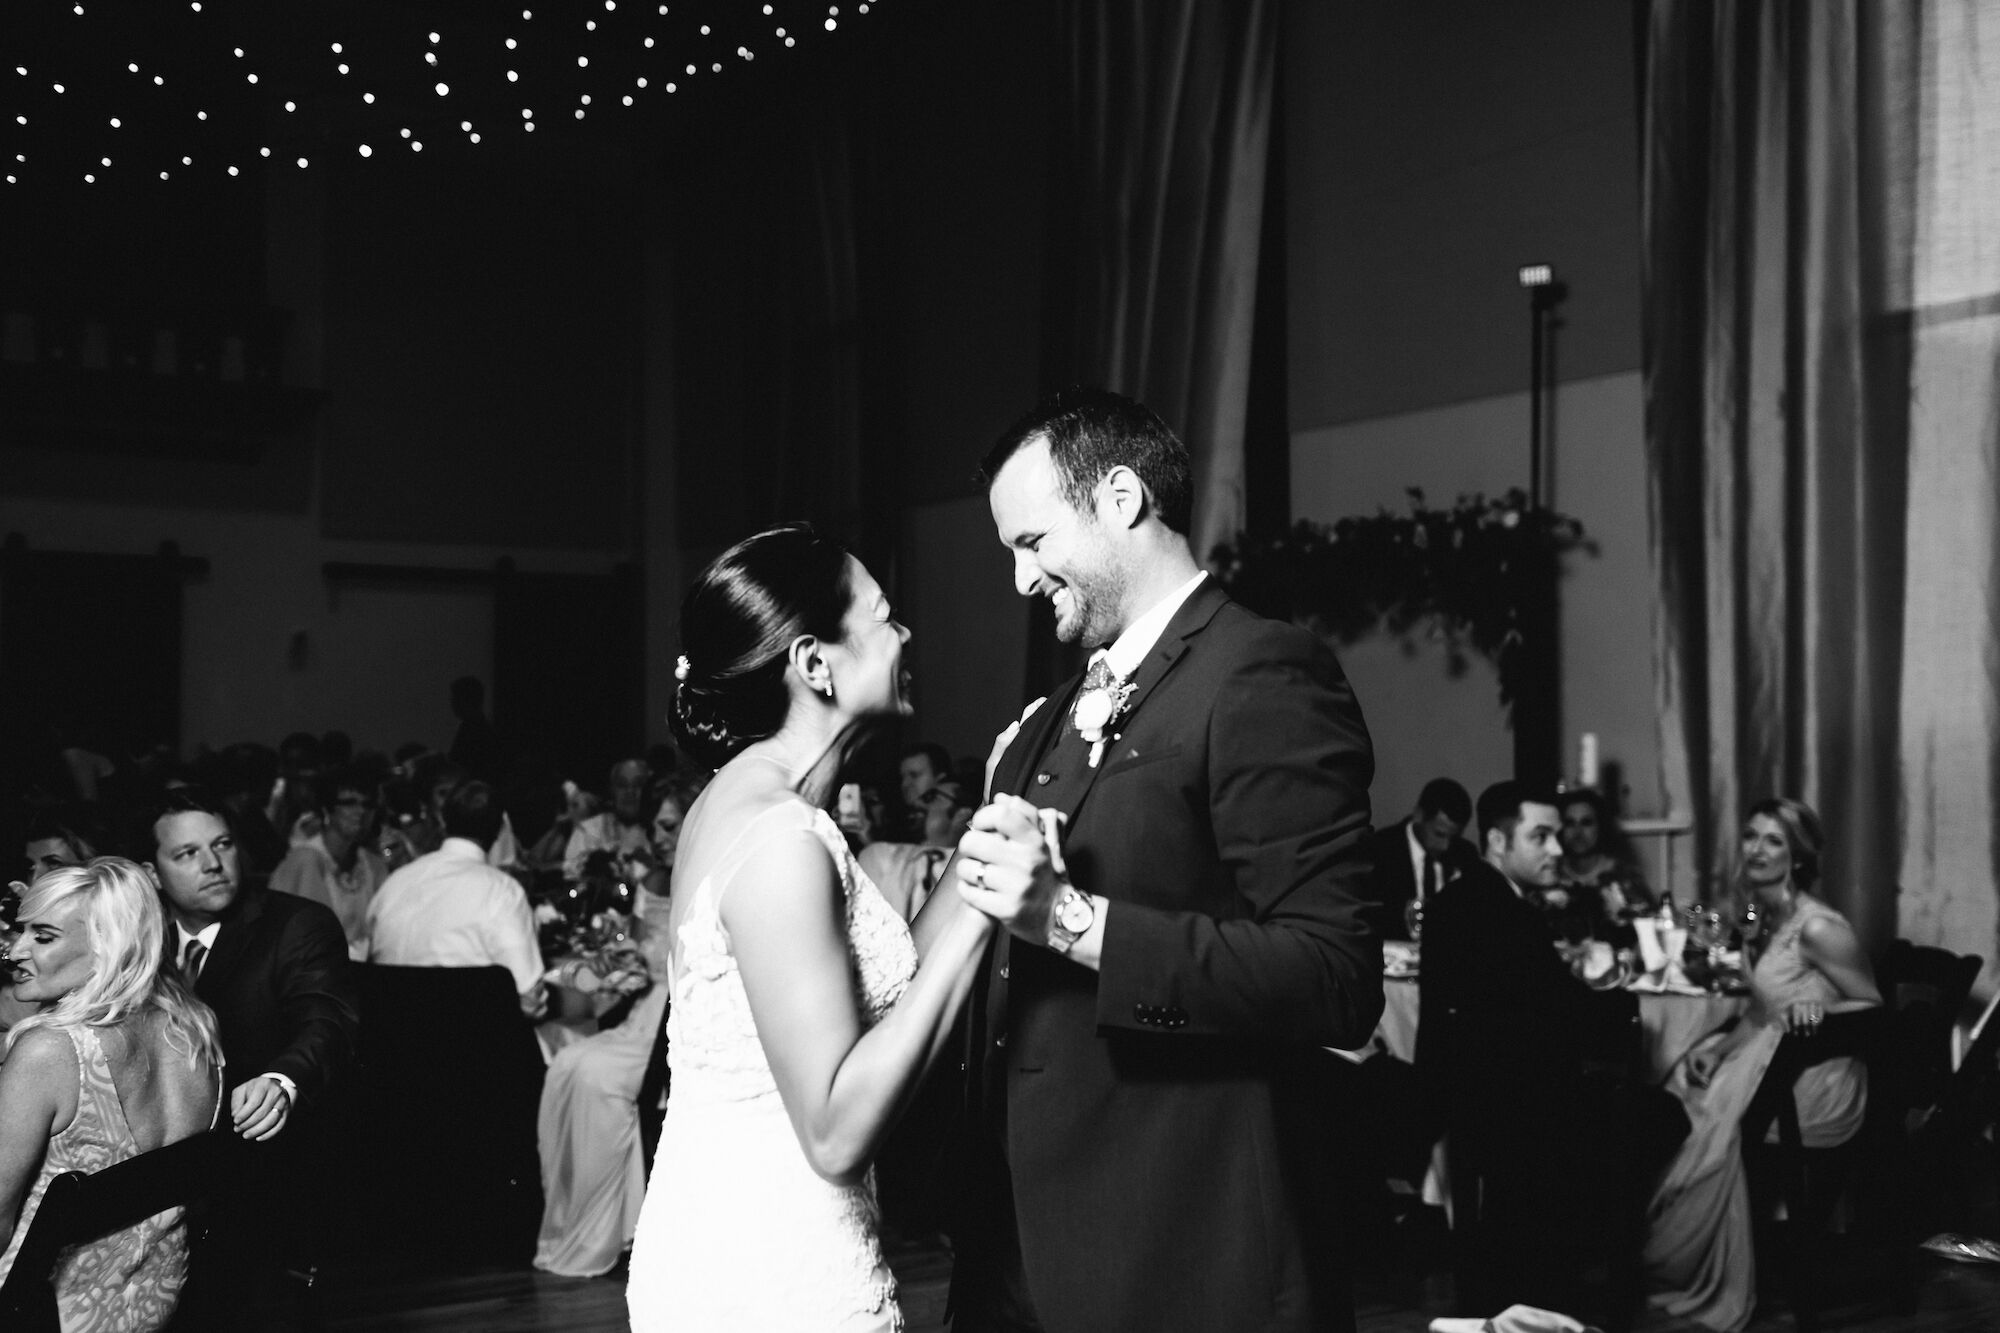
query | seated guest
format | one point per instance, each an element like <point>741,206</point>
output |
<point>53,839</point>
<point>275,970</point>
<point>118,1060</point>
<point>593,1167</point>
<point>1598,876</point>
<point>623,830</point>
<point>1415,857</point>
<point>60,837</point>
<point>449,908</point>
<point>337,867</point>
<point>906,873</point>
<point>1699,1260</point>
<point>1508,1044</point>
<point>920,769</point>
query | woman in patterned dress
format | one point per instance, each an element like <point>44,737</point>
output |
<point>118,1060</point>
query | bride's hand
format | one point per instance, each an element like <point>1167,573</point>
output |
<point>1004,868</point>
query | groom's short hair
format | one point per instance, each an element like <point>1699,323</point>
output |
<point>1091,431</point>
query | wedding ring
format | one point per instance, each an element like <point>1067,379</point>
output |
<point>979,874</point>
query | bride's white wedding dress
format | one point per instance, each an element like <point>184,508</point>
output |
<point>737,1232</point>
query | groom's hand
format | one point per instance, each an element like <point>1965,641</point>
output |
<point>1004,869</point>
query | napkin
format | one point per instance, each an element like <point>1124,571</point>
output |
<point>1652,954</point>
<point>1514,1319</point>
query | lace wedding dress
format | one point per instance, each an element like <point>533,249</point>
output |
<point>737,1231</point>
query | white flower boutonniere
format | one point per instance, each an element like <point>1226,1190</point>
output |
<point>1098,711</point>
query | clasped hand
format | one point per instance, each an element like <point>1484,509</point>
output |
<point>259,1108</point>
<point>1004,869</point>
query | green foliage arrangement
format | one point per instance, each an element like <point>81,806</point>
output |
<point>1479,576</point>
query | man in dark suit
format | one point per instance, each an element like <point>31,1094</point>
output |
<point>1149,1150</point>
<point>1529,1071</point>
<point>275,969</point>
<point>1417,856</point>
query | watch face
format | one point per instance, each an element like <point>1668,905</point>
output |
<point>1074,912</point>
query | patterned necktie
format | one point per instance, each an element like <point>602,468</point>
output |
<point>191,960</point>
<point>1097,676</point>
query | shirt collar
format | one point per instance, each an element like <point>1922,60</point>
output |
<point>461,849</point>
<point>1131,647</point>
<point>206,935</point>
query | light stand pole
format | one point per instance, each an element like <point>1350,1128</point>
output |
<point>1537,705</point>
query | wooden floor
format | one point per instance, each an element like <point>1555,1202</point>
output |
<point>1953,1299</point>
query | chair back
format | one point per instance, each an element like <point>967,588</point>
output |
<point>80,1207</point>
<point>451,1079</point>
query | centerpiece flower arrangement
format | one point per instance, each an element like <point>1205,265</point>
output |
<point>1468,575</point>
<point>586,933</point>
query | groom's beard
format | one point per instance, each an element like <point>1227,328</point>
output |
<point>1096,597</point>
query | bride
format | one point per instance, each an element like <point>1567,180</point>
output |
<point>801,1020</point>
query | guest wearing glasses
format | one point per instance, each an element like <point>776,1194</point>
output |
<point>1699,1258</point>
<point>339,866</point>
<point>117,1060</point>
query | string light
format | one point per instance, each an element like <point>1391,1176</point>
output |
<point>293,81</point>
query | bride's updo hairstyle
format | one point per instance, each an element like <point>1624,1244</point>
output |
<point>738,623</point>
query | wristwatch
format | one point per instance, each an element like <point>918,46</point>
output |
<point>1071,917</point>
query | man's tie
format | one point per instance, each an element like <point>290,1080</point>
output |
<point>1096,676</point>
<point>1430,875</point>
<point>934,858</point>
<point>191,960</point>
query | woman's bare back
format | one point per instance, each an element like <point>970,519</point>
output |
<point>166,1096</point>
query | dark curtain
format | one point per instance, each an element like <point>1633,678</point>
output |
<point>568,671</point>
<point>1158,215</point>
<point>768,339</point>
<point>1821,421</point>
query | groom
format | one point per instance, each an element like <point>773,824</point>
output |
<point>1150,1125</point>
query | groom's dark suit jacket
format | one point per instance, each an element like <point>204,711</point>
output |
<point>1161,1118</point>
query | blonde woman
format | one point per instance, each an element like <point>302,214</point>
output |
<point>1810,963</point>
<point>117,1060</point>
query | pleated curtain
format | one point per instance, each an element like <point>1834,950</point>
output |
<point>1822,214</point>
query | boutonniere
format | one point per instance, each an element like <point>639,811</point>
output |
<point>1099,710</point>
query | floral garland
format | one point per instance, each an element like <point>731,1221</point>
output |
<point>1475,575</point>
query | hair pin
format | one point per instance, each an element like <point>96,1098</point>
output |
<point>681,667</point>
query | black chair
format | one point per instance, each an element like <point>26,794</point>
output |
<point>442,1131</point>
<point>1874,1259</point>
<point>1548,1161</point>
<point>653,1091</point>
<point>79,1207</point>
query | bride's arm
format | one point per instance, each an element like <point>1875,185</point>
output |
<point>843,1087</point>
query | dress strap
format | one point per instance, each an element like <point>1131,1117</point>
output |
<point>720,873</point>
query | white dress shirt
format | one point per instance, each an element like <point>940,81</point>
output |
<point>451,909</point>
<point>1130,648</point>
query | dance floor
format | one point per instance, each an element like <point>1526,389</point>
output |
<point>1953,1299</point>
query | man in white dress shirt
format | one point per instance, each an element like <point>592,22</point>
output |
<point>449,908</point>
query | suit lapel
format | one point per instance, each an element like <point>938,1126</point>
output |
<point>1192,617</point>
<point>1036,735</point>
<point>232,943</point>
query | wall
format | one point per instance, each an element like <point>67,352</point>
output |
<point>376,660</point>
<point>475,407</point>
<point>1432,150</point>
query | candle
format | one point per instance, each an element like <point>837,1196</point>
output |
<point>1586,759</point>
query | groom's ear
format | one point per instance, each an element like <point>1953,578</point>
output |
<point>1121,498</point>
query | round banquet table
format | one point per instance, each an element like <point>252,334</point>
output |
<point>1669,1023</point>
